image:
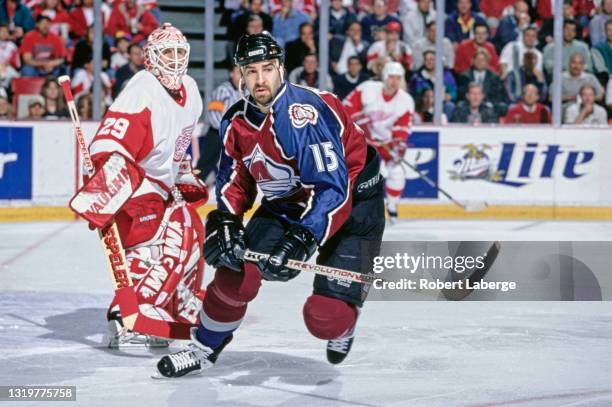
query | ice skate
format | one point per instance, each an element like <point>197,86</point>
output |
<point>338,349</point>
<point>119,337</point>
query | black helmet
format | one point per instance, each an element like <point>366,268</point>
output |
<point>257,47</point>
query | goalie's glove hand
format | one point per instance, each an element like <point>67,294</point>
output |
<point>225,242</point>
<point>298,243</point>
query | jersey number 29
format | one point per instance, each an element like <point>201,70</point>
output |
<point>331,161</point>
<point>114,127</point>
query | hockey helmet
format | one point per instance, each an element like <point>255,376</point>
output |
<point>257,47</point>
<point>393,68</point>
<point>169,70</point>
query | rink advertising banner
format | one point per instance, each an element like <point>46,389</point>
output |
<point>503,271</point>
<point>423,153</point>
<point>525,166</point>
<point>15,162</point>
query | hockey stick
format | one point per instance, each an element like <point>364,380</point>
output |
<point>474,206</point>
<point>114,253</point>
<point>326,271</point>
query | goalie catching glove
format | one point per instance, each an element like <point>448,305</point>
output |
<point>298,243</point>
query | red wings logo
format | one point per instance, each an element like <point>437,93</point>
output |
<point>301,115</point>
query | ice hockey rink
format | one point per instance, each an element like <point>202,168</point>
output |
<point>54,291</point>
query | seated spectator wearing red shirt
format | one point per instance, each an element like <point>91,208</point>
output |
<point>131,18</point>
<point>60,20</point>
<point>42,51</point>
<point>467,48</point>
<point>305,6</point>
<point>81,17</point>
<point>529,111</point>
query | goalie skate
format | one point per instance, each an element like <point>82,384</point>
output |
<point>119,337</point>
<point>193,360</point>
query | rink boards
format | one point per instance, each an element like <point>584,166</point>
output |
<point>525,172</point>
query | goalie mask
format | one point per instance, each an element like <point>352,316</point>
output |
<point>166,56</point>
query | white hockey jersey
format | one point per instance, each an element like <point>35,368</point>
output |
<point>386,118</point>
<point>149,126</point>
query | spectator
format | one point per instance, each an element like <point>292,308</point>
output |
<point>298,49</point>
<point>415,21</point>
<point>308,74</point>
<point>489,81</point>
<point>341,48</point>
<point>60,20</point>
<point>81,18</point>
<point>36,108</point>
<point>222,97</point>
<point>474,110</point>
<point>602,55</point>
<point>546,32</point>
<point>345,83</point>
<point>425,109</point>
<point>286,23</point>
<point>511,26</point>
<point>425,78</point>
<point>131,18</point>
<point>575,79</point>
<point>6,110</point>
<point>528,74</point>
<point>429,43</point>
<point>460,23</point>
<point>512,55</point>
<point>17,16</point>
<point>340,18</point>
<point>597,30</point>
<point>255,9</point>
<point>42,51</point>
<point>571,46</point>
<point>82,82</point>
<point>53,99</point>
<point>365,7</point>
<point>120,55</point>
<point>467,48</point>
<point>83,51</point>
<point>494,10</point>
<point>125,73</point>
<point>586,111</point>
<point>609,95</point>
<point>451,6</point>
<point>9,58</point>
<point>375,23</point>
<point>84,106</point>
<point>391,48</point>
<point>529,110</point>
<point>307,7</point>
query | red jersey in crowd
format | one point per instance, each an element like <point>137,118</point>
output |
<point>119,21</point>
<point>465,52</point>
<point>46,47</point>
<point>520,113</point>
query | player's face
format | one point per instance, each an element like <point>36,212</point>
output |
<point>171,57</point>
<point>531,95</point>
<point>393,83</point>
<point>262,80</point>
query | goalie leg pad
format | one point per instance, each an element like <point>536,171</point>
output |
<point>328,318</point>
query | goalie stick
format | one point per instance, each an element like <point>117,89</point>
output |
<point>114,253</point>
<point>474,206</point>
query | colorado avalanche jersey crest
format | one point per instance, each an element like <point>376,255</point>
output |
<point>304,156</point>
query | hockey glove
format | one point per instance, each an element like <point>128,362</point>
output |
<point>298,243</point>
<point>225,241</point>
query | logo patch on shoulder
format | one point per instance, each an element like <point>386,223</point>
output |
<point>301,115</point>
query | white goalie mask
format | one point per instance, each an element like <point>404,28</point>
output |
<point>166,55</point>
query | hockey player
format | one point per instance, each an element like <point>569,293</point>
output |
<point>151,124</point>
<point>322,190</point>
<point>385,112</point>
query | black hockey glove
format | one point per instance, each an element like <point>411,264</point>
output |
<point>225,241</point>
<point>298,243</point>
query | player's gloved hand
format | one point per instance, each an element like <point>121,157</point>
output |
<point>298,243</point>
<point>398,150</point>
<point>225,242</point>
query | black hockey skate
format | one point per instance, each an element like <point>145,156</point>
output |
<point>195,359</point>
<point>338,349</point>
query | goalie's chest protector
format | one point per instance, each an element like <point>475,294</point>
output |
<point>148,125</point>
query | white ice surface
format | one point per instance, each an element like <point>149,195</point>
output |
<point>54,291</point>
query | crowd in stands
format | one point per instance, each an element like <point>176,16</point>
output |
<point>43,39</point>
<point>498,55</point>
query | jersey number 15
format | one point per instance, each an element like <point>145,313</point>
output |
<point>331,161</point>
